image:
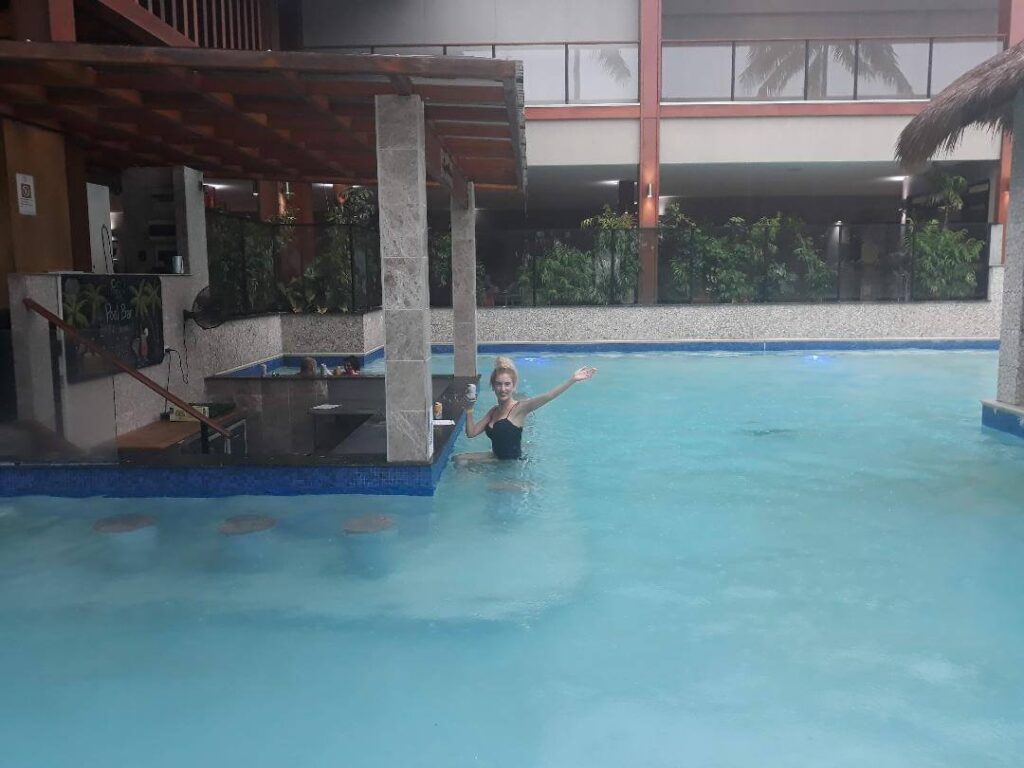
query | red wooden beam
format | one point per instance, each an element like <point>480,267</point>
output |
<point>43,20</point>
<point>145,23</point>
<point>442,169</point>
<point>794,109</point>
<point>650,162</point>
<point>582,112</point>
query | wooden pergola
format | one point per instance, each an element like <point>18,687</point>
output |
<point>288,116</point>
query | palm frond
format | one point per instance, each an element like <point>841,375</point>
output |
<point>983,96</point>
<point>613,63</point>
<point>879,61</point>
<point>771,66</point>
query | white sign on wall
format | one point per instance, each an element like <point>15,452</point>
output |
<point>26,194</point>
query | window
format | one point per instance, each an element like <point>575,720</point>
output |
<point>892,70</point>
<point>603,73</point>
<point>830,68</point>
<point>696,72</point>
<point>543,71</point>
<point>476,51</point>
<point>951,58</point>
<point>410,50</point>
<point>770,70</point>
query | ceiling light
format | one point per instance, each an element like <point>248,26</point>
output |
<point>895,178</point>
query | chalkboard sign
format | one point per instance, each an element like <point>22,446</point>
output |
<point>121,313</point>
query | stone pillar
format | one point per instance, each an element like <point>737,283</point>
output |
<point>402,198</point>
<point>464,284</point>
<point>1011,337</point>
<point>190,220</point>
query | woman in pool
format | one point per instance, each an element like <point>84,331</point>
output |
<point>504,422</point>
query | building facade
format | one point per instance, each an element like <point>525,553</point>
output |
<point>732,108</point>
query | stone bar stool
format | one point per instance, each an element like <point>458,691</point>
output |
<point>368,542</point>
<point>248,540</point>
<point>129,540</point>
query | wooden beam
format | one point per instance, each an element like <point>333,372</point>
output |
<point>461,94</point>
<point>85,125</point>
<point>476,147</point>
<point>145,25</point>
<point>471,130</point>
<point>268,119</point>
<point>158,121</point>
<point>441,67</point>
<point>443,170</point>
<point>43,20</point>
<point>224,104</point>
<point>402,84</point>
<point>449,112</point>
<point>514,101</point>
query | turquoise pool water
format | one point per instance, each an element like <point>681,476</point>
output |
<point>707,560</point>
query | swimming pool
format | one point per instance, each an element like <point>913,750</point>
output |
<point>738,560</point>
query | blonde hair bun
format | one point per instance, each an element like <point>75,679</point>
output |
<point>504,365</point>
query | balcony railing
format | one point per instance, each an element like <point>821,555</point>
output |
<point>818,70</point>
<point>737,70</point>
<point>233,24</point>
<point>553,73</point>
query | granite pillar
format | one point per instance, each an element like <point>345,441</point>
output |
<point>1011,337</point>
<point>402,199</point>
<point>464,284</point>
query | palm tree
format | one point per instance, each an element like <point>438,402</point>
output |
<point>771,66</point>
<point>73,306</point>
<point>947,193</point>
<point>611,61</point>
<point>142,299</point>
<point>93,297</point>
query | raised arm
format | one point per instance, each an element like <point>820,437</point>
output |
<point>474,428</point>
<point>527,406</point>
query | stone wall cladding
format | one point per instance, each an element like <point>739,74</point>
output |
<point>233,344</point>
<point>373,330</point>
<point>322,333</point>
<point>972,320</point>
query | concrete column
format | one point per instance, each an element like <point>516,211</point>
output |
<point>464,284</point>
<point>1011,337</point>
<point>190,220</point>
<point>402,198</point>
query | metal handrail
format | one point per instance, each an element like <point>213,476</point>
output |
<point>122,366</point>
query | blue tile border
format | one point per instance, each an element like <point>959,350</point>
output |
<point>127,481</point>
<point>439,465</point>
<point>142,481</point>
<point>725,345</point>
<point>1003,419</point>
<point>295,361</point>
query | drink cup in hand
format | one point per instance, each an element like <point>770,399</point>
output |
<point>471,392</point>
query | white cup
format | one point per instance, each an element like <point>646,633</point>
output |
<point>471,391</point>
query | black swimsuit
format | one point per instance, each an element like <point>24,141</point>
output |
<point>506,437</point>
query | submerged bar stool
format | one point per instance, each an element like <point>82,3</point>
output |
<point>129,540</point>
<point>368,543</point>
<point>248,540</point>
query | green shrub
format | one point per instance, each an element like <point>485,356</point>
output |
<point>564,275</point>
<point>617,250</point>
<point>771,259</point>
<point>945,262</point>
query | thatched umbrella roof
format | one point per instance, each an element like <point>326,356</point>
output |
<point>983,96</point>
